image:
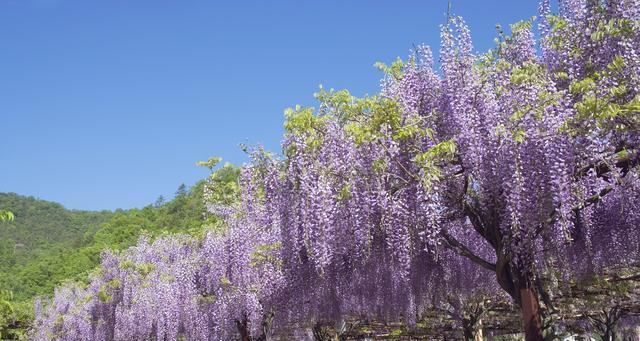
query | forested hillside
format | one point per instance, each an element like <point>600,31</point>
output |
<point>33,244</point>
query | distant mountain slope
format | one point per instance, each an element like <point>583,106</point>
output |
<point>40,229</point>
<point>39,223</point>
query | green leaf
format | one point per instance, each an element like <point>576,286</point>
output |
<point>519,135</point>
<point>617,65</point>
<point>211,163</point>
<point>582,86</point>
<point>6,216</point>
<point>394,70</point>
<point>431,159</point>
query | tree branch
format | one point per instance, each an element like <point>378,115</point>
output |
<point>588,202</point>
<point>624,159</point>
<point>464,251</point>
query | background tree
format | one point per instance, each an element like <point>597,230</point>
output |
<point>159,202</point>
<point>181,191</point>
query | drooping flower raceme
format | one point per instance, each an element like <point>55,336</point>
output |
<point>170,288</point>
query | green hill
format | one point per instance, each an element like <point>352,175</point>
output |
<point>41,231</point>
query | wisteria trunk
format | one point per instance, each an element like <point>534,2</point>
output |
<point>476,336</point>
<point>243,328</point>
<point>531,314</point>
<point>472,331</point>
<point>609,336</point>
<point>519,288</point>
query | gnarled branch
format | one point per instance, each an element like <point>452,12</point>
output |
<point>464,251</point>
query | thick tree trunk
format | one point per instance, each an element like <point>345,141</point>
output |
<point>243,328</point>
<point>531,314</point>
<point>267,320</point>
<point>473,334</point>
<point>472,329</point>
<point>523,292</point>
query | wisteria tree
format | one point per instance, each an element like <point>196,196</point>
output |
<point>175,287</point>
<point>514,147</point>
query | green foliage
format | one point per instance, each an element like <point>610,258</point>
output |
<point>613,28</point>
<point>267,253</point>
<point>6,216</point>
<point>582,86</point>
<point>412,128</point>
<point>223,186</point>
<point>557,22</point>
<point>104,295</point>
<point>13,317</point>
<point>522,25</point>
<point>6,306</point>
<point>431,160</point>
<point>364,118</point>
<point>211,163</point>
<point>47,245</point>
<point>345,193</point>
<point>396,332</point>
<point>32,244</point>
<point>394,70</point>
<point>604,104</point>
<point>224,281</point>
<point>302,121</point>
<point>530,73</point>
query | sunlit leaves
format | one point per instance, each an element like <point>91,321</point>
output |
<point>363,118</point>
<point>394,70</point>
<point>603,103</point>
<point>582,86</point>
<point>302,121</point>
<point>613,28</point>
<point>6,216</point>
<point>223,187</point>
<point>431,160</point>
<point>530,73</point>
<point>266,253</point>
<point>211,163</point>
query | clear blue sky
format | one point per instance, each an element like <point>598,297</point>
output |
<point>109,104</point>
